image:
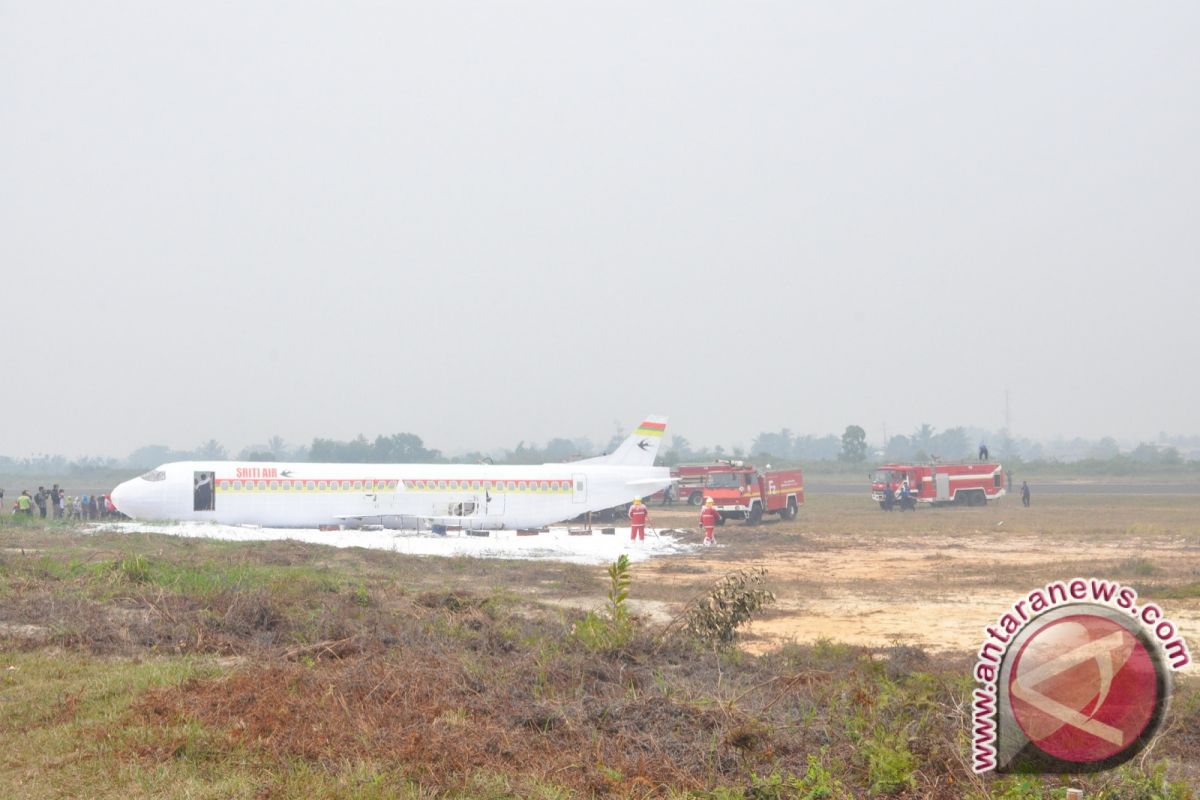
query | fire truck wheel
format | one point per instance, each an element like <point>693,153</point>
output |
<point>754,516</point>
<point>789,512</point>
<point>720,519</point>
<point>695,498</point>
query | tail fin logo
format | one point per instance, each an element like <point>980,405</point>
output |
<point>640,448</point>
<point>649,428</point>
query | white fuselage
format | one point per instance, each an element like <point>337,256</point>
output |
<point>303,495</point>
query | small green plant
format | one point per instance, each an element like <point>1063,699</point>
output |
<point>614,628</point>
<point>891,766</point>
<point>1022,787</point>
<point>618,589</point>
<point>360,596</point>
<point>817,783</point>
<point>134,568</point>
<point>733,601</point>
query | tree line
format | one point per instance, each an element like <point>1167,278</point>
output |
<point>852,448</point>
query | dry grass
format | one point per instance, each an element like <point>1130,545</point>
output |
<point>156,666</point>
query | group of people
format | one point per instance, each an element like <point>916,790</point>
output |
<point>639,515</point>
<point>904,497</point>
<point>55,503</point>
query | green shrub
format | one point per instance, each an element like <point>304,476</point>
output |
<point>732,602</point>
<point>817,783</point>
<point>891,767</point>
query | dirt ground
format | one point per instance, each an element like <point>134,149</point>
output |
<point>847,571</point>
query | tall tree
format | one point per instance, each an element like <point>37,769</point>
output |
<point>778,445</point>
<point>212,450</point>
<point>854,444</point>
<point>557,450</point>
<point>923,438</point>
<point>278,447</point>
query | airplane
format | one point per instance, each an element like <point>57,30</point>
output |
<point>402,496</point>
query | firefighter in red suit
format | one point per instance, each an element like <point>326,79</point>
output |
<point>638,514</point>
<point>709,517</point>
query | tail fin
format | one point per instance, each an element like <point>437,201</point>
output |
<point>639,449</point>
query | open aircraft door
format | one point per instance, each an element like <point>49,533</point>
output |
<point>579,491</point>
<point>493,503</point>
<point>382,501</point>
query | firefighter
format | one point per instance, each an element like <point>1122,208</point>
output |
<point>638,514</point>
<point>709,517</point>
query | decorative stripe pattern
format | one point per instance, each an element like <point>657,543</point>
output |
<point>651,429</point>
<point>292,485</point>
<point>368,485</point>
<point>538,486</point>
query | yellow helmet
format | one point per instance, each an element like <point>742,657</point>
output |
<point>637,499</point>
<point>708,501</point>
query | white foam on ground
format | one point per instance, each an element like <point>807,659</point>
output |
<point>555,544</point>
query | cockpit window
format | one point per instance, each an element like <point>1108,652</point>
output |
<point>155,475</point>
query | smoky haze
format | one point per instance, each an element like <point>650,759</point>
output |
<point>490,222</point>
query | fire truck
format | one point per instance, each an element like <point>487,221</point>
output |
<point>742,492</point>
<point>693,478</point>
<point>690,480</point>
<point>937,484</point>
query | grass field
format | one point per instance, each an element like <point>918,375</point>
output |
<point>155,666</point>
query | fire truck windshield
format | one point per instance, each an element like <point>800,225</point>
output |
<point>723,480</point>
<point>883,476</point>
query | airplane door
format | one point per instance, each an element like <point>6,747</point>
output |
<point>579,492</point>
<point>380,502</point>
<point>494,503</point>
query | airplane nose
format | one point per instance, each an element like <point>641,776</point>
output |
<point>120,497</point>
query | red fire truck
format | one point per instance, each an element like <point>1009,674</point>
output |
<point>937,484</point>
<point>693,478</point>
<point>690,480</point>
<point>742,492</point>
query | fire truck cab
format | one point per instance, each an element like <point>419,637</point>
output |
<point>936,484</point>
<point>742,492</point>
<point>693,478</point>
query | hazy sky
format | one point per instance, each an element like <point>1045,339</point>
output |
<point>485,222</point>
